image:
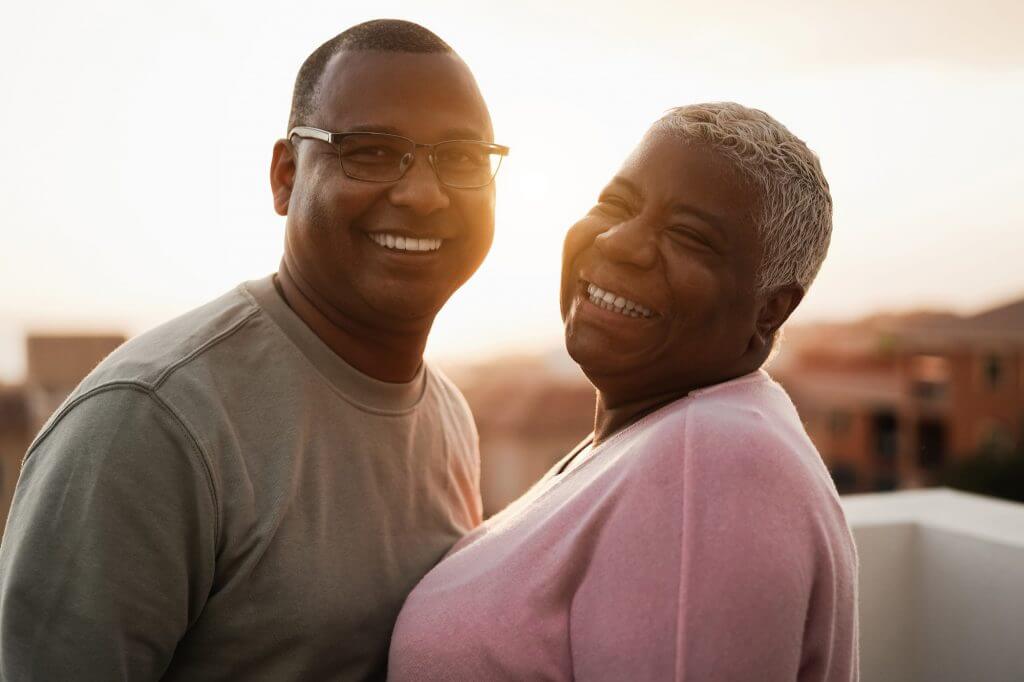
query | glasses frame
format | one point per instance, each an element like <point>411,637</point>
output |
<point>334,139</point>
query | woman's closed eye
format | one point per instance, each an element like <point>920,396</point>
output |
<point>614,206</point>
<point>690,236</point>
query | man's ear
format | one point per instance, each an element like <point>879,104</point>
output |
<point>282,175</point>
<point>776,307</point>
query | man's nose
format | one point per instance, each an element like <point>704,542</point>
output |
<point>419,189</point>
<point>629,243</point>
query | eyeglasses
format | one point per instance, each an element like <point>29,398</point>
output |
<point>382,157</point>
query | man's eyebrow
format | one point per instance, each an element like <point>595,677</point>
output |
<point>370,128</point>
<point>450,134</point>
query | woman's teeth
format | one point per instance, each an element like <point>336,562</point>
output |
<point>399,243</point>
<point>615,303</point>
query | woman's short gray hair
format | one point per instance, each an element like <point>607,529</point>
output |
<point>795,224</point>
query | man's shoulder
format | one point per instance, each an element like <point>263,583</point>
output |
<point>447,394</point>
<point>127,385</point>
<point>445,387</point>
<point>149,359</point>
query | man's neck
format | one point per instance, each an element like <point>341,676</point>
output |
<point>382,354</point>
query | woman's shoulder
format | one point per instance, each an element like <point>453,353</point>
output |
<point>745,432</point>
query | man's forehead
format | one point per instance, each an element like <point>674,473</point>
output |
<point>370,88</point>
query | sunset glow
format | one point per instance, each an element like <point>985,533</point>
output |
<point>139,136</point>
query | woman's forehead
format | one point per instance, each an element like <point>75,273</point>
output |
<point>667,168</point>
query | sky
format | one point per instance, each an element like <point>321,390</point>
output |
<point>137,140</point>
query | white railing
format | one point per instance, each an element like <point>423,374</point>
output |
<point>941,586</point>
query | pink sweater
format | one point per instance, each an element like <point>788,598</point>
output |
<point>704,542</point>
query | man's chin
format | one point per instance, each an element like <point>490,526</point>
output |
<point>410,309</point>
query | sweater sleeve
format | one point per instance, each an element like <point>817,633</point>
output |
<point>695,567</point>
<point>109,550</point>
<point>747,559</point>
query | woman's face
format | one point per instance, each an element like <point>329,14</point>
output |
<point>658,279</point>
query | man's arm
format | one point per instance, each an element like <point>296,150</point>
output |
<point>108,556</point>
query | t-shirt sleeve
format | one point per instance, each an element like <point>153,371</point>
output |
<point>471,458</point>
<point>108,555</point>
<point>464,441</point>
<point>746,562</point>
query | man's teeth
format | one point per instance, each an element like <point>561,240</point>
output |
<point>400,243</point>
<point>615,303</point>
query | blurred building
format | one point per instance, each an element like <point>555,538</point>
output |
<point>892,400</point>
<point>56,364</point>
<point>530,411</point>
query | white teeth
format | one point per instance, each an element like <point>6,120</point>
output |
<point>614,302</point>
<point>400,243</point>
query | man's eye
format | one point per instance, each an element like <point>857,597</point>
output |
<point>462,157</point>
<point>370,153</point>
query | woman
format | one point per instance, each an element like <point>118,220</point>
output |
<point>696,535</point>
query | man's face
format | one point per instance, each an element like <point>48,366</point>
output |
<point>673,233</point>
<point>333,219</point>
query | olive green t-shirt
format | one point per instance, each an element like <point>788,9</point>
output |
<point>224,498</point>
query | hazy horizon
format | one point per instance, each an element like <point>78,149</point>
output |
<point>136,186</point>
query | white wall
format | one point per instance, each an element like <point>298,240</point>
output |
<point>941,586</point>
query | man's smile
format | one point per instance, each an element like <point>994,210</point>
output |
<point>398,242</point>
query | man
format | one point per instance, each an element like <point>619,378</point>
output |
<point>249,492</point>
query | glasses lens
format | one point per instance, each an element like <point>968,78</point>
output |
<point>466,164</point>
<point>375,157</point>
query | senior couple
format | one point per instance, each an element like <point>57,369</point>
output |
<point>275,486</point>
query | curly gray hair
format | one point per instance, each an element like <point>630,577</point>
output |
<point>795,225</point>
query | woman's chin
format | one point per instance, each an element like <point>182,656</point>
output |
<point>597,358</point>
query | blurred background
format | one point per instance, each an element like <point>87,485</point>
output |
<point>134,185</point>
<point>135,188</point>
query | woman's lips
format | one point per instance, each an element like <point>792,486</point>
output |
<point>614,302</point>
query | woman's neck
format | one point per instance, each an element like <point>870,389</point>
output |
<point>612,416</point>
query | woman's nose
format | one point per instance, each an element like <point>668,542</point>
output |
<point>629,243</point>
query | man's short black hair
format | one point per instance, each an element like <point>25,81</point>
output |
<point>386,35</point>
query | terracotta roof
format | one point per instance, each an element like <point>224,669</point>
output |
<point>822,388</point>
<point>1008,316</point>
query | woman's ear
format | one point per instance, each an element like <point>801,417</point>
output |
<point>776,307</point>
<point>282,175</point>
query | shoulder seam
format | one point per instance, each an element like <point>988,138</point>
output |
<point>162,404</point>
<point>203,348</point>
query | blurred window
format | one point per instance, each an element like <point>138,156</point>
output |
<point>885,436</point>
<point>931,443</point>
<point>844,476</point>
<point>930,376</point>
<point>993,371</point>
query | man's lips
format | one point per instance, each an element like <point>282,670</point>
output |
<point>404,242</point>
